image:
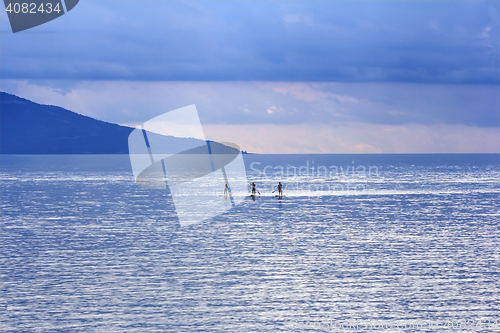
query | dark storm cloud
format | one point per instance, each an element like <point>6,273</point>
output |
<point>417,42</point>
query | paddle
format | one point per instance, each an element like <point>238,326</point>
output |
<point>252,187</point>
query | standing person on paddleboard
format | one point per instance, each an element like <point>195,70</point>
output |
<point>280,190</point>
<point>254,188</point>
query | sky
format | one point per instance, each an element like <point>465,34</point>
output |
<point>275,76</point>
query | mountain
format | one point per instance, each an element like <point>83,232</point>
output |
<point>30,128</point>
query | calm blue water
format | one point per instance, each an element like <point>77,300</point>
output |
<point>380,238</point>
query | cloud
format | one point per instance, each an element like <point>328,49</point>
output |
<point>357,138</point>
<point>306,91</point>
<point>275,109</point>
<point>338,41</point>
<point>297,117</point>
<point>299,90</point>
<point>291,19</point>
<point>272,102</point>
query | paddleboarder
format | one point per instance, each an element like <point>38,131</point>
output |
<point>280,189</point>
<point>254,188</point>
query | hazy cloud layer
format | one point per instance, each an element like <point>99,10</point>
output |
<point>130,102</point>
<point>355,41</point>
<point>358,138</point>
<point>297,117</point>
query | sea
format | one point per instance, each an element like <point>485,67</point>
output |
<point>357,243</point>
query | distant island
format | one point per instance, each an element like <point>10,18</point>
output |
<point>31,128</point>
